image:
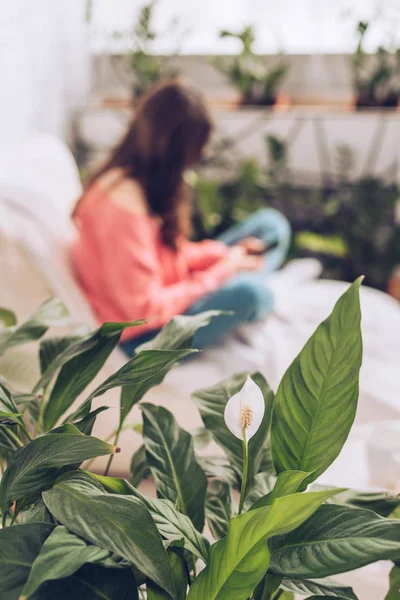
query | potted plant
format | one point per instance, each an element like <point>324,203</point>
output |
<point>69,532</point>
<point>376,78</point>
<point>257,83</point>
<point>145,68</point>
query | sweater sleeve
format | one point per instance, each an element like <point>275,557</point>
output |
<point>138,282</point>
<point>202,255</point>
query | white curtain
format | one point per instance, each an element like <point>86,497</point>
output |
<point>44,67</point>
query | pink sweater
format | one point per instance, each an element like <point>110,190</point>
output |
<point>128,273</point>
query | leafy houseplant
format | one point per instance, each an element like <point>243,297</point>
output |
<point>248,71</point>
<point>376,79</point>
<point>146,67</point>
<point>351,225</point>
<point>72,533</point>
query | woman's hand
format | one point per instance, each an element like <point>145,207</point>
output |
<point>252,245</point>
<point>239,260</point>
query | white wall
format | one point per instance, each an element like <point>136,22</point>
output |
<point>44,66</point>
<point>295,26</point>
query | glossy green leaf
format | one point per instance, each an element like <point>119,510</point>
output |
<point>218,508</point>
<point>179,573</point>
<point>268,587</point>
<point>61,555</point>
<point>51,348</point>
<point>178,476</point>
<point>36,466</point>
<point>263,484</point>
<point>394,582</point>
<point>86,424</point>
<point>139,468</point>
<point>211,403</point>
<point>316,402</point>
<point>83,346</point>
<point>176,335</point>
<point>19,547</point>
<point>381,503</point>
<point>238,562</point>
<point>52,313</point>
<point>172,525</point>
<point>92,582</point>
<point>37,513</point>
<point>141,373</point>
<point>201,438</point>
<point>74,377</point>
<point>288,482</point>
<point>334,540</point>
<point>219,467</point>
<point>319,587</point>
<point>6,399</point>
<point>120,524</point>
<point>179,332</point>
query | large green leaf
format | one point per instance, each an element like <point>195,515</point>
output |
<point>83,346</point>
<point>176,335</point>
<point>218,508</point>
<point>319,587</point>
<point>92,582</point>
<point>218,466</point>
<point>179,573</point>
<point>36,466</point>
<point>75,376</point>
<point>120,524</point>
<point>394,589</point>
<point>336,539</point>
<point>52,313</point>
<point>6,399</point>
<point>61,555</point>
<point>172,525</point>
<point>142,372</point>
<point>316,402</point>
<point>19,547</point>
<point>238,562</point>
<point>139,468</point>
<point>381,503</point>
<point>288,482</point>
<point>51,348</point>
<point>179,332</point>
<point>211,403</point>
<point>178,476</point>
<point>86,424</point>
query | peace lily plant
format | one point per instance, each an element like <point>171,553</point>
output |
<point>70,532</point>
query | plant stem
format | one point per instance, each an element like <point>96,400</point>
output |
<point>42,406</point>
<point>25,430</point>
<point>117,434</point>
<point>278,594</point>
<point>245,470</point>
<point>15,438</point>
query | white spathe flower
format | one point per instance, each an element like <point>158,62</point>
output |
<point>244,412</point>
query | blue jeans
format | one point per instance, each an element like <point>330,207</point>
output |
<point>247,294</point>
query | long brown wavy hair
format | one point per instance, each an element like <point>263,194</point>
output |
<point>167,135</point>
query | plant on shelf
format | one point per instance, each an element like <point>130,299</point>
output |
<point>376,78</point>
<point>146,67</point>
<point>257,82</point>
<point>69,531</point>
<point>350,224</point>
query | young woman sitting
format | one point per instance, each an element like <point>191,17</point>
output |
<point>133,257</point>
